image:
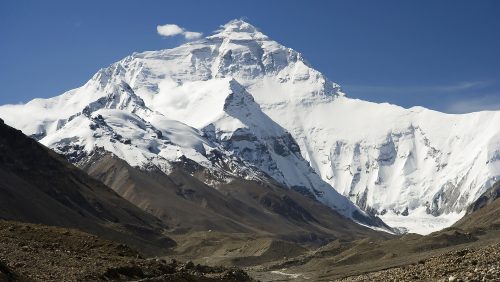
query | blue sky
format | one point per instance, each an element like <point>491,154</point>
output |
<point>443,55</point>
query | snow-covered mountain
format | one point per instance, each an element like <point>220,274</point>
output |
<point>240,95</point>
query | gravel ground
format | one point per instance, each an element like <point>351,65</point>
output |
<point>478,264</point>
<point>43,253</point>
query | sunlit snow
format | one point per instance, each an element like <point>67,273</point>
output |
<point>384,158</point>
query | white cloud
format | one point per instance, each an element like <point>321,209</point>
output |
<point>169,29</point>
<point>173,30</point>
<point>192,35</point>
<point>484,103</point>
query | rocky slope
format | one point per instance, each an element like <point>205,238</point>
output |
<point>45,253</point>
<point>186,204</point>
<point>40,186</point>
<point>240,95</point>
<point>467,264</point>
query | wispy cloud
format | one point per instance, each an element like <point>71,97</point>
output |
<point>484,103</point>
<point>462,97</point>
<point>462,86</point>
<point>168,30</point>
<point>467,85</point>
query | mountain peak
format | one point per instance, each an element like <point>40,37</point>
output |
<point>239,25</point>
<point>239,29</point>
<point>119,96</point>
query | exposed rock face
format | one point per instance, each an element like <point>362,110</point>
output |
<point>490,196</point>
<point>484,212</point>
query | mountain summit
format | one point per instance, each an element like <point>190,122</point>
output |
<point>238,26</point>
<point>241,105</point>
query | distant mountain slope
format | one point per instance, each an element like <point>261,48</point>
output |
<point>187,204</point>
<point>416,168</point>
<point>39,186</point>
